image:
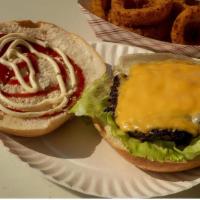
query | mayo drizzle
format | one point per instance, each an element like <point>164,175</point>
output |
<point>47,106</point>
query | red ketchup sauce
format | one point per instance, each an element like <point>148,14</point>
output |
<point>7,76</point>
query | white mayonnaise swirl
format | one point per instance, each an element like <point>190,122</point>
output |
<point>54,104</point>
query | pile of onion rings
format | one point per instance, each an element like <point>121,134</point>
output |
<point>166,20</point>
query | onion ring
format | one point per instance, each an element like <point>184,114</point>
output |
<point>97,8</point>
<point>180,5</point>
<point>177,8</point>
<point>147,13</point>
<point>100,7</point>
<point>159,31</point>
<point>187,22</point>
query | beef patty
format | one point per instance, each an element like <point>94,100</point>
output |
<point>180,137</point>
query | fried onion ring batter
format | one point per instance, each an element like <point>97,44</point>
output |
<point>100,7</point>
<point>186,27</point>
<point>136,13</point>
<point>159,31</point>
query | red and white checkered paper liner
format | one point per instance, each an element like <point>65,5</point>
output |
<point>112,33</point>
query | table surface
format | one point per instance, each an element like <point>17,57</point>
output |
<point>17,179</point>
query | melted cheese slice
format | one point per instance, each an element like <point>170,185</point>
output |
<point>160,95</point>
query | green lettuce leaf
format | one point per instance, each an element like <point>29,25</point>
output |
<point>94,99</point>
<point>93,103</point>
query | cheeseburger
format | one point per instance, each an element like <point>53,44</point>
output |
<point>150,111</point>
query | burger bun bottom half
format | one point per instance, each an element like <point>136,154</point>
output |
<point>123,66</point>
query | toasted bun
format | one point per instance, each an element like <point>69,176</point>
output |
<point>72,45</point>
<point>142,162</point>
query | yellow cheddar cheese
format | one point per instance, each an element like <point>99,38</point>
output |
<point>160,95</point>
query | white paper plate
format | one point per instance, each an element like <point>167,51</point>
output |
<point>76,157</point>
